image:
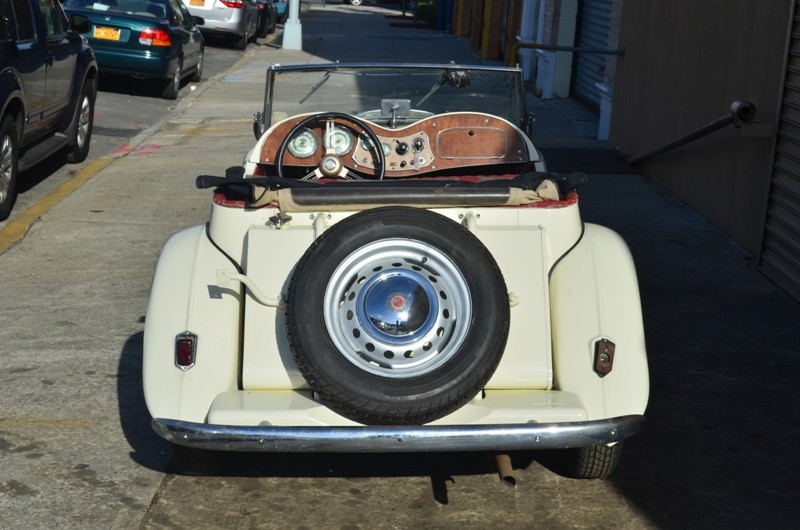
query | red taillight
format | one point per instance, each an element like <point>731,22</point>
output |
<point>236,4</point>
<point>185,350</point>
<point>154,37</point>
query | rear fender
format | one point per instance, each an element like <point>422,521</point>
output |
<point>594,296</point>
<point>185,298</point>
<point>11,92</point>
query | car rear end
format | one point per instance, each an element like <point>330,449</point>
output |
<point>232,392</point>
<point>222,17</point>
<point>137,43</point>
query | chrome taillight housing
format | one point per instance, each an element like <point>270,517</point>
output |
<point>185,350</point>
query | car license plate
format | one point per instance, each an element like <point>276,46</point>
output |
<point>106,33</point>
<point>200,3</point>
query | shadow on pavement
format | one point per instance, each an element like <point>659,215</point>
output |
<point>149,450</point>
<point>719,446</point>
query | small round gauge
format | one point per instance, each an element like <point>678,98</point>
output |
<point>303,144</point>
<point>339,139</point>
<point>366,145</point>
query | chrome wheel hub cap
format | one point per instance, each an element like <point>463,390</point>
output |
<point>397,308</point>
<point>6,167</point>
<point>83,122</point>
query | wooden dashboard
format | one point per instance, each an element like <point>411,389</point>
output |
<point>436,143</point>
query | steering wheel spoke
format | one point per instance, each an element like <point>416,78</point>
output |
<point>313,175</point>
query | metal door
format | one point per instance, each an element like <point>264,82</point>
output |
<point>594,21</point>
<point>780,249</point>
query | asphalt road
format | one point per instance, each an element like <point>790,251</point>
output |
<point>125,107</point>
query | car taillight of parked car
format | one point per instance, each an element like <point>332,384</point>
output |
<point>154,37</point>
<point>236,4</point>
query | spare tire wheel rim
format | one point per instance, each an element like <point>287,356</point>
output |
<point>397,308</point>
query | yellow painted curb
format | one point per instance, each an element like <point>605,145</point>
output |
<point>16,229</point>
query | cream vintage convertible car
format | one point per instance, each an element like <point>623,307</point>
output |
<point>393,269</point>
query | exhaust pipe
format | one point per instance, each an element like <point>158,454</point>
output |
<point>505,470</point>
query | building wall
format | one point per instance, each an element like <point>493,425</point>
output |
<point>685,62</point>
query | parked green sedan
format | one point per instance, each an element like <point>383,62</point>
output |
<point>156,39</point>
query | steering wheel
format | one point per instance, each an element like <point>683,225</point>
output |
<point>331,164</point>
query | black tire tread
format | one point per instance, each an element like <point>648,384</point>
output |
<point>170,91</point>
<point>195,462</point>
<point>593,462</point>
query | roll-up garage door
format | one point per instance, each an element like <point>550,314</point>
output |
<point>593,27</point>
<point>780,251</point>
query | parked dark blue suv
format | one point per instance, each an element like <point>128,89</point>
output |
<point>48,85</point>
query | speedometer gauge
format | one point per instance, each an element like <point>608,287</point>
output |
<point>339,139</point>
<point>303,144</point>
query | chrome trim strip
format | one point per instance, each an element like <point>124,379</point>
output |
<point>412,438</point>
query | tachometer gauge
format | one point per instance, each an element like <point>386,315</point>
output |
<point>339,139</point>
<point>303,144</point>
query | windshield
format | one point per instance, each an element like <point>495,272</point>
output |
<point>399,94</point>
<point>147,8</point>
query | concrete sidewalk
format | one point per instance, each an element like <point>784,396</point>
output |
<point>76,449</point>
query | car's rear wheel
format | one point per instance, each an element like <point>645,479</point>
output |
<point>193,461</point>
<point>9,166</point>
<point>263,25</point>
<point>174,85</point>
<point>241,42</point>
<point>592,462</point>
<point>198,70</point>
<point>397,316</point>
<point>84,122</point>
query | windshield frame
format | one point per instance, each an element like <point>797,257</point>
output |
<point>516,111</point>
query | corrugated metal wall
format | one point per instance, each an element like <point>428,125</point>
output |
<point>780,252</point>
<point>593,27</point>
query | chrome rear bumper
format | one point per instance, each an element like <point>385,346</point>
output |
<point>388,439</point>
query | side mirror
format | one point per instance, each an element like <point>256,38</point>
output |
<point>79,23</point>
<point>258,125</point>
<point>198,21</point>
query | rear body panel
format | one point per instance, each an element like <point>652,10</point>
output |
<point>555,322</point>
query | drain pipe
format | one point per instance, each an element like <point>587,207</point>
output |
<point>740,112</point>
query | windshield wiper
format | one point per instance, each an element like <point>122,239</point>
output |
<point>436,86</point>
<point>454,78</point>
<point>314,88</point>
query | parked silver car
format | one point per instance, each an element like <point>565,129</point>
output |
<point>236,19</point>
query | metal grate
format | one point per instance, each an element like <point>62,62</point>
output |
<point>780,251</point>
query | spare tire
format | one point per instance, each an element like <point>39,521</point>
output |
<point>397,315</point>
